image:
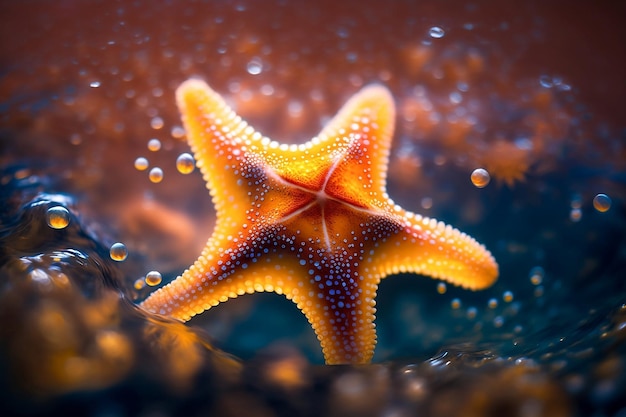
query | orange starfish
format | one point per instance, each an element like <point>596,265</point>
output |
<point>312,221</point>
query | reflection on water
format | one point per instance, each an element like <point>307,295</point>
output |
<point>509,127</point>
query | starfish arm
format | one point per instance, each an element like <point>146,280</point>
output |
<point>341,311</point>
<point>367,122</point>
<point>354,144</point>
<point>218,276</point>
<point>428,247</point>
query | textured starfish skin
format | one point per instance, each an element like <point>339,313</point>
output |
<point>312,221</point>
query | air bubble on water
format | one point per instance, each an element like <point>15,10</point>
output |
<point>536,275</point>
<point>118,252</point>
<point>153,278</point>
<point>185,163</point>
<point>178,132</point>
<point>154,144</point>
<point>602,202</point>
<point>141,164</point>
<point>436,32</point>
<point>576,201</point>
<point>156,175</point>
<point>156,123</point>
<point>546,81</point>
<point>480,178</point>
<point>255,66</point>
<point>58,217</point>
<point>455,97</point>
<point>139,284</point>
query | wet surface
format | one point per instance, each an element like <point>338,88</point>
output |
<point>534,95</point>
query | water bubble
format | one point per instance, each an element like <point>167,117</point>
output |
<point>498,321</point>
<point>153,278</point>
<point>456,304</point>
<point>507,296</point>
<point>441,288</point>
<point>539,291</point>
<point>141,164</point>
<point>156,175</point>
<point>455,97</point>
<point>156,123</point>
<point>139,284</point>
<point>58,217</point>
<point>536,275</point>
<point>255,66</point>
<point>576,202</point>
<point>575,215</point>
<point>154,145</point>
<point>118,252</point>
<point>492,303</point>
<point>480,177</point>
<point>436,32</point>
<point>471,313</point>
<point>426,203</point>
<point>602,202</point>
<point>545,81</point>
<point>94,84</point>
<point>185,163</point>
<point>178,132</point>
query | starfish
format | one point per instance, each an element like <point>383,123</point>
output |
<point>311,221</point>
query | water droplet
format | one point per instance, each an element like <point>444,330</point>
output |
<point>441,288</point>
<point>480,177</point>
<point>536,275</point>
<point>156,175</point>
<point>139,284</point>
<point>153,278</point>
<point>545,81</point>
<point>436,32</point>
<point>58,217</point>
<point>178,132</point>
<point>455,97</point>
<point>185,163</point>
<point>154,145</point>
<point>156,123</point>
<point>576,202</point>
<point>255,66</point>
<point>118,252</point>
<point>575,215</point>
<point>141,164</point>
<point>602,202</point>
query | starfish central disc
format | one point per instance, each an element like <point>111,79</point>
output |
<point>310,221</point>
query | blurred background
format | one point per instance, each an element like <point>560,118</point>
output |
<point>532,93</point>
